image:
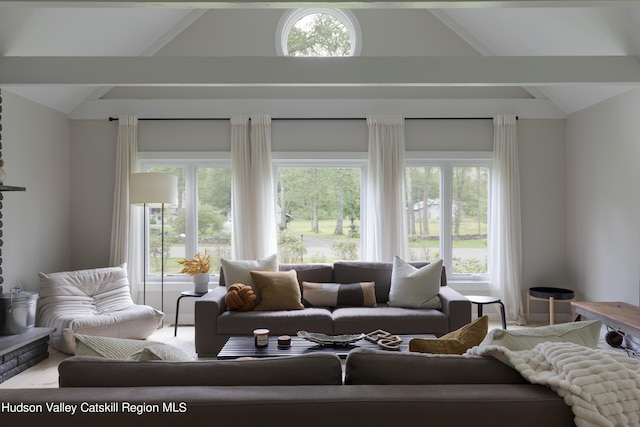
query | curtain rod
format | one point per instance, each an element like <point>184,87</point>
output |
<point>111,119</point>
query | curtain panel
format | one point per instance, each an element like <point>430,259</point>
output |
<point>253,232</point>
<point>386,223</point>
<point>505,242</point>
<point>126,246</point>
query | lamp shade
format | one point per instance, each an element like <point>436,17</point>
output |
<point>152,188</point>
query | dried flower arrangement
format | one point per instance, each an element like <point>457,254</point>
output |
<point>198,264</point>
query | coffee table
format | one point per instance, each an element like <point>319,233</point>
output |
<point>244,346</point>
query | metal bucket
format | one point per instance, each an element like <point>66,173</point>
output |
<point>17,312</point>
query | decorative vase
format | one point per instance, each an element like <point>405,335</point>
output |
<point>201,282</point>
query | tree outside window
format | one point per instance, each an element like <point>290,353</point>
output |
<point>318,213</point>
<point>318,33</point>
<point>447,215</point>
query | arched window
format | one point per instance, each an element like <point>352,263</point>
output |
<point>318,32</point>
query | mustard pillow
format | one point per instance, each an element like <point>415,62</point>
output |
<point>455,342</point>
<point>278,290</point>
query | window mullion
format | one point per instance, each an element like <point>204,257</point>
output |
<point>446,213</point>
<point>191,211</point>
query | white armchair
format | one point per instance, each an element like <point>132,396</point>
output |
<point>92,302</point>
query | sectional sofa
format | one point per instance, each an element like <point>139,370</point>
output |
<point>374,388</point>
<point>214,323</point>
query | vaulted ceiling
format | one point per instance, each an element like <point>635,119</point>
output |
<point>455,58</point>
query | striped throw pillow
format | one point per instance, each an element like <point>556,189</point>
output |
<point>360,294</point>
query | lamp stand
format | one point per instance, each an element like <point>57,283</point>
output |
<point>162,263</point>
<point>144,253</point>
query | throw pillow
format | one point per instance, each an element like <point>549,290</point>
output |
<point>455,342</point>
<point>239,271</point>
<point>413,287</point>
<point>361,294</point>
<point>279,290</point>
<point>121,348</point>
<point>240,298</point>
<point>161,352</point>
<point>585,333</point>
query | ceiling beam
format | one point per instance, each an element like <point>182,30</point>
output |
<point>319,72</point>
<point>285,4</point>
<point>100,109</point>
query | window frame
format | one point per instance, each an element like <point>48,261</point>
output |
<point>446,161</point>
<point>190,162</point>
<point>292,16</point>
<point>315,159</point>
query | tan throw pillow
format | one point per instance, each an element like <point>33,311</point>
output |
<point>278,290</point>
<point>361,294</point>
<point>413,287</point>
<point>455,342</point>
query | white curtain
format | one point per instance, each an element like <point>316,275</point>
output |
<point>126,246</point>
<point>253,231</point>
<point>386,224</point>
<point>505,243</point>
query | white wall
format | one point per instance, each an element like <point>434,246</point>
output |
<point>603,203</point>
<point>37,222</point>
<point>93,154</point>
<point>542,161</point>
<point>542,155</point>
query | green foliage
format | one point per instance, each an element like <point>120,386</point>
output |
<point>291,248</point>
<point>324,36</point>
<point>210,222</point>
<point>214,189</point>
<point>469,265</point>
<point>345,249</point>
<point>218,252</point>
<point>306,189</point>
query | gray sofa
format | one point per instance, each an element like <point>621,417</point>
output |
<point>214,323</point>
<point>378,388</point>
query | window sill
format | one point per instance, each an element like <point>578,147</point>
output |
<point>469,287</point>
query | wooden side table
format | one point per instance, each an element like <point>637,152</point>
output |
<point>550,294</point>
<point>192,294</point>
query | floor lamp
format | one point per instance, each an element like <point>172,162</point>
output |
<point>150,189</point>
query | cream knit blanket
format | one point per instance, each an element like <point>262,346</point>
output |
<point>601,386</point>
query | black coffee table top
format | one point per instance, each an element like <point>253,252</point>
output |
<point>244,346</point>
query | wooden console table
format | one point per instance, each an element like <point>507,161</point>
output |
<point>619,316</point>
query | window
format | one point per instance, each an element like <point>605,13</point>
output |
<point>200,220</point>
<point>318,33</point>
<point>448,214</point>
<point>318,213</point>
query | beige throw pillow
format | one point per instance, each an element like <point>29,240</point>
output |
<point>586,333</point>
<point>121,348</point>
<point>413,287</point>
<point>278,290</point>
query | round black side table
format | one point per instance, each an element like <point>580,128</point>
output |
<point>192,294</point>
<point>482,300</point>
